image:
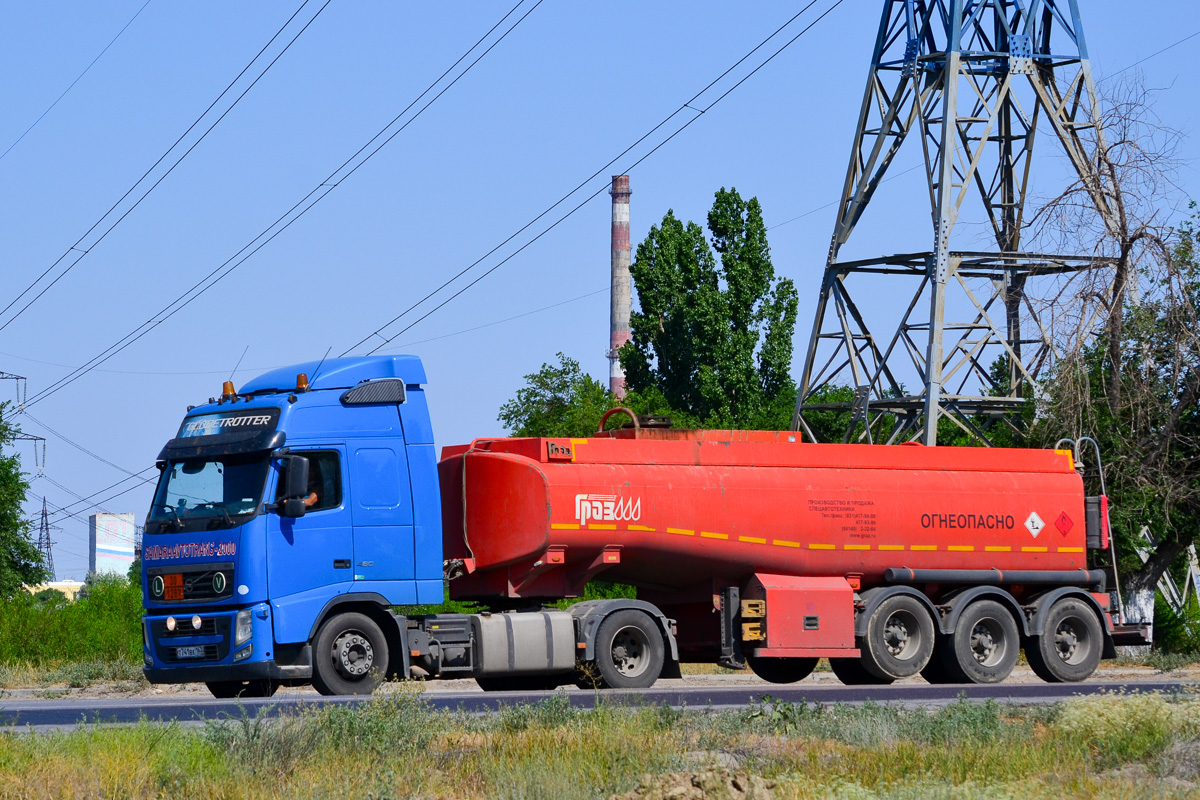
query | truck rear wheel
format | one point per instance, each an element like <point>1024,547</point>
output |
<point>850,672</point>
<point>1071,643</point>
<point>781,670</point>
<point>230,689</point>
<point>629,651</point>
<point>350,655</point>
<point>899,638</point>
<point>984,646</point>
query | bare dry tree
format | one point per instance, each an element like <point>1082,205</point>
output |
<point>1128,367</point>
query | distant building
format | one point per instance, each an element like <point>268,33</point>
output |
<point>68,587</point>
<point>111,539</point>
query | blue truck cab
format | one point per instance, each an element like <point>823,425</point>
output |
<point>282,505</point>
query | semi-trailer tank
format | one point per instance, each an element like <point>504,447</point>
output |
<point>298,521</point>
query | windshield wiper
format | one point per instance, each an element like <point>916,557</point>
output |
<point>221,507</point>
<point>175,514</point>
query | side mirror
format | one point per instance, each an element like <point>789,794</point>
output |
<point>290,508</point>
<point>295,477</point>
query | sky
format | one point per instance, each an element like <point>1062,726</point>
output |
<point>571,87</point>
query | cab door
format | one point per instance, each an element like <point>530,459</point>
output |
<point>383,515</point>
<point>310,558</point>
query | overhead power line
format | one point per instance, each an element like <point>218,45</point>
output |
<point>82,251</point>
<point>86,69</point>
<point>688,105</point>
<point>302,207</point>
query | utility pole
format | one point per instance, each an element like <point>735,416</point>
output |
<point>973,81</point>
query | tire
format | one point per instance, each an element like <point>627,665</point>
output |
<point>899,638</point>
<point>1071,643</point>
<point>523,683</point>
<point>229,689</point>
<point>985,644</point>
<point>350,655</point>
<point>629,651</point>
<point>935,671</point>
<point>850,671</point>
<point>781,670</point>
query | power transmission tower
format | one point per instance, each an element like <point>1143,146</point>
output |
<point>44,544</point>
<point>39,461</point>
<point>973,80</point>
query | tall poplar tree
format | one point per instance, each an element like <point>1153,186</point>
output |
<point>713,334</point>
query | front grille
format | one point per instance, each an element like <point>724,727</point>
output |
<point>183,627</point>
<point>198,583</point>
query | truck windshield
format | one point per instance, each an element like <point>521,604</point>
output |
<point>208,493</point>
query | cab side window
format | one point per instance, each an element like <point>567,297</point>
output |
<point>324,480</point>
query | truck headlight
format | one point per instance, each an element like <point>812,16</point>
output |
<point>243,628</point>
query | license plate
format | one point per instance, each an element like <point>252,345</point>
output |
<point>196,651</point>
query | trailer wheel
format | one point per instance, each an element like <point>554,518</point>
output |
<point>984,646</point>
<point>781,670</point>
<point>229,689</point>
<point>850,671</point>
<point>629,651</point>
<point>350,655</point>
<point>1071,644</point>
<point>899,638</point>
<point>522,683</point>
<point>935,671</point>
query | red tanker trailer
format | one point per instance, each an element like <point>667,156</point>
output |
<point>756,548</point>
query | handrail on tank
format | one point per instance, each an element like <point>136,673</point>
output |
<point>1112,543</point>
<point>629,412</point>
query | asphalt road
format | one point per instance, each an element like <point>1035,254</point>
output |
<point>67,712</point>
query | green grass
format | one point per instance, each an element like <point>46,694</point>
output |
<point>397,746</point>
<point>96,638</point>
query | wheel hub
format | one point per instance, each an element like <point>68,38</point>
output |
<point>983,642</point>
<point>895,635</point>
<point>628,652</point>
<point>1066,641</point>
<point>353,654</point>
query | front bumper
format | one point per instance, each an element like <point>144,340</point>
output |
<point>300,669</point>
<point>258,657</point>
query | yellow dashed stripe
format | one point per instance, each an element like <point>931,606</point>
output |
<point>1070,549</point>
<point>957,548</point>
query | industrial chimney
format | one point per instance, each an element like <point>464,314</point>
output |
<point>620,298</point>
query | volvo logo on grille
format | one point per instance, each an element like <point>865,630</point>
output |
<point>219,582</point>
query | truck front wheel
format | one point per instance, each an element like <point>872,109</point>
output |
<point>350,655</point>
<point>629,651</point>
